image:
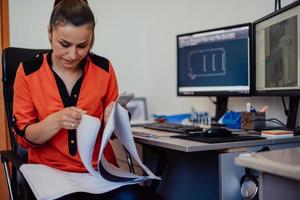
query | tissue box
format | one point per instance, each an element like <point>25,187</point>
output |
<point>253,120</point>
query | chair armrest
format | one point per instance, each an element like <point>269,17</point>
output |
<point>11,157</point>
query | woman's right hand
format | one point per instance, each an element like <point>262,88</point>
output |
<point>68,118</point>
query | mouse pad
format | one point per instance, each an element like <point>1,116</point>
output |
<point>231,138</point>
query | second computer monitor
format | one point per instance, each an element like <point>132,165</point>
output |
<point>215,62</point>
<point>277,43</point>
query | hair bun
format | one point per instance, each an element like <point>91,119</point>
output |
<point>57,1</point>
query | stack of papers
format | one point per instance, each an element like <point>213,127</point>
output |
<point>277,133</point>
<point>106,178</point>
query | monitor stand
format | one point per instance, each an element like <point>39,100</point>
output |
<point>221,107</point>
<point>292,112</point>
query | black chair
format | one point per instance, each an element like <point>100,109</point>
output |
<point>11,58</point>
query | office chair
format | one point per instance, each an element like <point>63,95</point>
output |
<point>138,109</point>
<point>11,58</point>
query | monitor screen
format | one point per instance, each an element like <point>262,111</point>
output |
<point>215,62</point>
<point>277,64</point>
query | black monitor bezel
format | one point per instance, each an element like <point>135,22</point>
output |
<point>221,93</point>
<point>288,92</point>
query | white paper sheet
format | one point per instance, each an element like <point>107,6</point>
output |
<point>86,137</point>
<point>40,176</point>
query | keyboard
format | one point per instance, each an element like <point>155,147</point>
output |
<point>171,127</point>
<point>231,138</point>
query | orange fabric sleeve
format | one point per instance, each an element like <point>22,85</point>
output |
<point>23,108</point>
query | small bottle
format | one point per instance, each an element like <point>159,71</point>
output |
<point>208,120</point>
<point>248,107</point>
<point>205,121</point>
<point>193,116</point>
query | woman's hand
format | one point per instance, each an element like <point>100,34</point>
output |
<point>68,118</point>
<point>107,111</point>
<point>41,132</point>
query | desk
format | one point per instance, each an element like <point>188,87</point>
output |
<point>198,170</point>
<point>280,172</point>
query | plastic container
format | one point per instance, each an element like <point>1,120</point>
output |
<point>232,120</point>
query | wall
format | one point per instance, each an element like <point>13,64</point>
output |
<point>140,39</point>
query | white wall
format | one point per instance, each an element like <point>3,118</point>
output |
<point>139,37</point>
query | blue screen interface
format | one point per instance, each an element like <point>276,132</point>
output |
<point>214,61</point>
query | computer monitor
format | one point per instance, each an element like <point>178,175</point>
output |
<point>277,57</point>
<point>215,62</point>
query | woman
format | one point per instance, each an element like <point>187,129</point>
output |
<point>55,89</point>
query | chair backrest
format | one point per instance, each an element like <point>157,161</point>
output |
<point>11,58</point>
<point>138,109</point>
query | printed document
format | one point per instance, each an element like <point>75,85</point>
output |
<point>49,183</point>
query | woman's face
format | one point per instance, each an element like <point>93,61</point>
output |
<point>70,44</point>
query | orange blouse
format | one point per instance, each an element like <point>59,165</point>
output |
<point>39,92</point>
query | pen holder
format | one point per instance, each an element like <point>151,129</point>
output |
<point>253,120</point>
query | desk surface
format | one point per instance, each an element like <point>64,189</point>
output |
<point>283,162</point>
<point>192,146</point>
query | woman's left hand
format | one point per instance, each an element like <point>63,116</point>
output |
<point>107,111</point>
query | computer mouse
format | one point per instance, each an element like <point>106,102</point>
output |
<point>217,132</point>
